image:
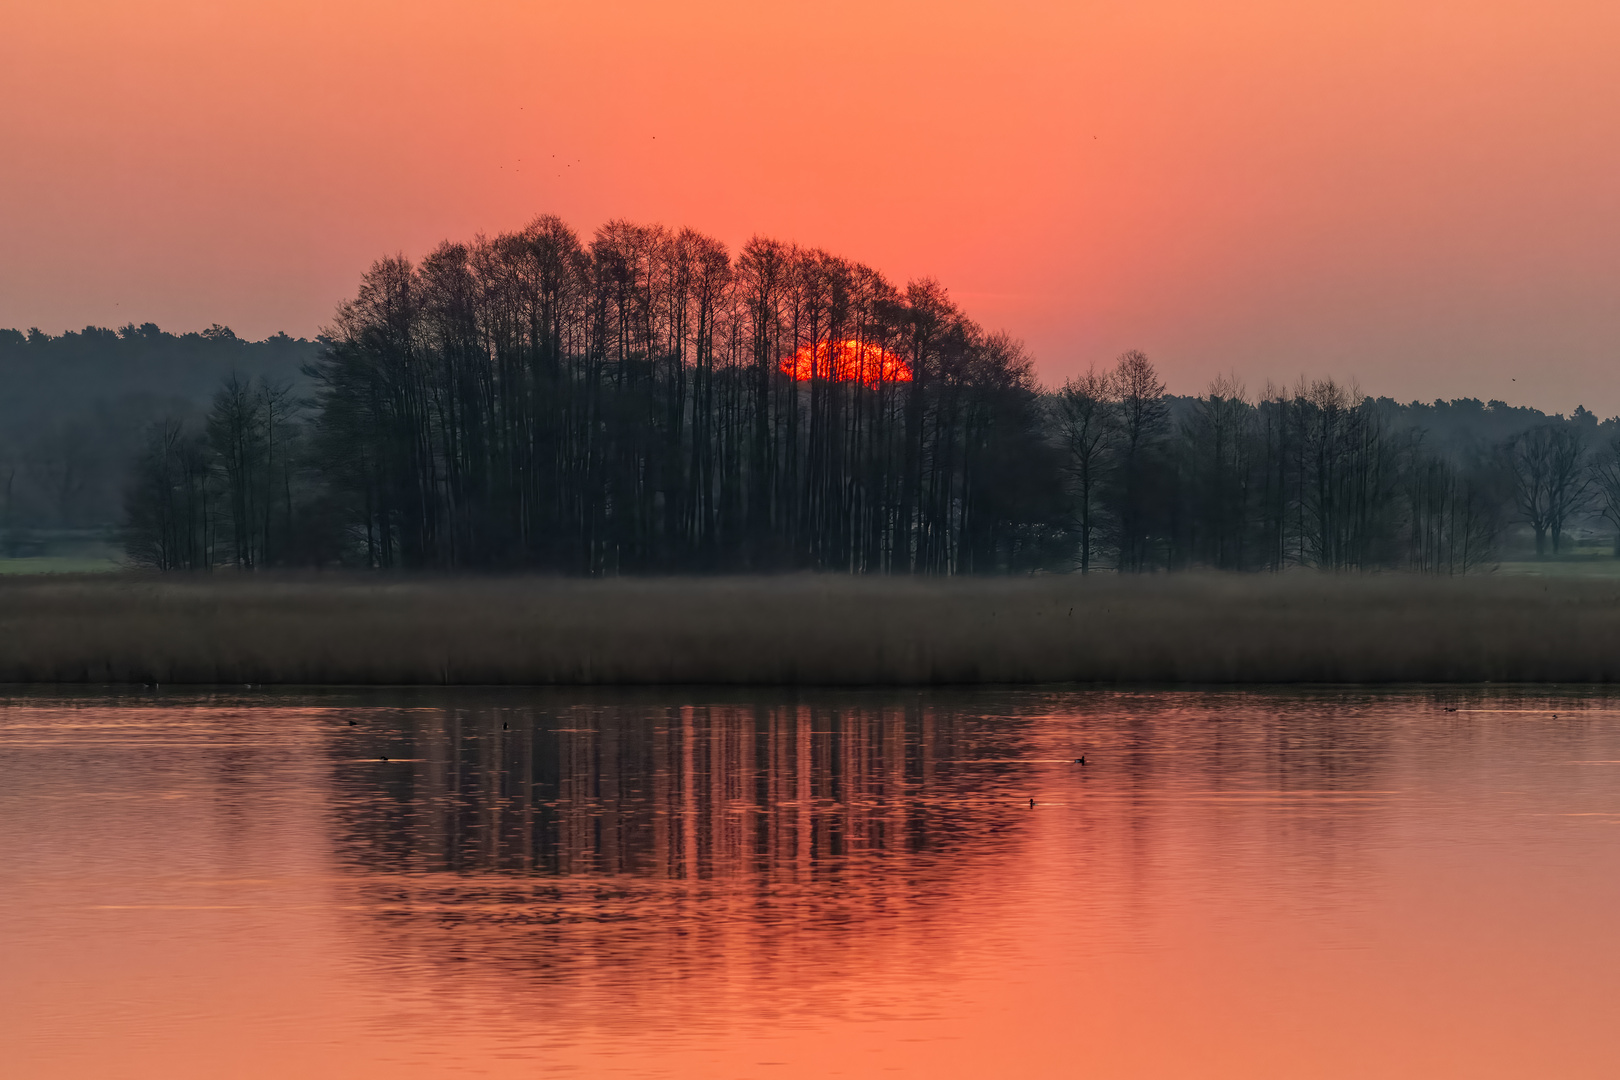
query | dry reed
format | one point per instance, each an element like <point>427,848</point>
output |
<point>1191,628</point>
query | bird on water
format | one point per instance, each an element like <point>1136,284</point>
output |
<point>1081,760</point>
<point>383,759</point>
<point>1032,804</point>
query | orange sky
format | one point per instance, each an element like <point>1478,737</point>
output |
<point>1417,195</point>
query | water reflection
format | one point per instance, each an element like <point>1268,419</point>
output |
<point>696,791</point>
<point>752,852</point>
<point>727,845</point>
<point>414,884</point>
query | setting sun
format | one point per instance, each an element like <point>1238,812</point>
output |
<point>846,361</point>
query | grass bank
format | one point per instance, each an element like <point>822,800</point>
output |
<point>1188,628</point>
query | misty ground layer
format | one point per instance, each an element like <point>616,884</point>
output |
<point>808,630</point>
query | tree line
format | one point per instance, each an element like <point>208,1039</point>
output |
<point>75,409</point>
<point>646,402</point>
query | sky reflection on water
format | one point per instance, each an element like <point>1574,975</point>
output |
<point>1327,883</point>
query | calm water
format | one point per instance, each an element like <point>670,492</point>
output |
<point>738,885</point>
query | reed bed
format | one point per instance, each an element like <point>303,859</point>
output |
<point>808,630</point>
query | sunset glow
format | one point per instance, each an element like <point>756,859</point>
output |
<point>1416,195</point>
<point>854,538</point>
<point>849,360</point>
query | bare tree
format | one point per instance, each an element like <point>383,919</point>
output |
<point>1606,485</point>
<point>276,407</point>
<point>1143,415</point>
<point>169,507</point>
<point>1087,424</point>
<point>1569,482</point>
<point>1550,481</point>
<point>9,469</point>
<point>1453,512</point>
<point>236,434</point>
<point>1219,436</point>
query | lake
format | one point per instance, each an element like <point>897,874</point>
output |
<point>1324,883</point>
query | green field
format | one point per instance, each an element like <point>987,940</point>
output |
<point>1592,564</point>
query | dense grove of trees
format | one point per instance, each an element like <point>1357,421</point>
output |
<point>641,403</point>
<point>648,402</point>
<point>1315,476</point>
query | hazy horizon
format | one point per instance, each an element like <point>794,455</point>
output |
<point>1254,391</point>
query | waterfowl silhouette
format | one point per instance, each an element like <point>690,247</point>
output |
<point>1032,804</point>
<point>354,723</point>
<point>1081,760</point>
<point>382,759</point>
<point>503,725</point>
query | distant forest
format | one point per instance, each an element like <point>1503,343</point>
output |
<point>647,402</point>
<point>76,410</point>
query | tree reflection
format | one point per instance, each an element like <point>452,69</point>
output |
<point>563,844</point>
<point>623,849</point>
<point>772,792</point>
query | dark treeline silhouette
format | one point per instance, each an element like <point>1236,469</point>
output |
<point>641,403</point>
<point>646,402</point>
<point>1316,476</point>
<point>75,410</point>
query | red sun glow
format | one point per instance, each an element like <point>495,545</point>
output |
<point>846,361</point>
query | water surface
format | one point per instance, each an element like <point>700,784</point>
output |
<point>750,884</point>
